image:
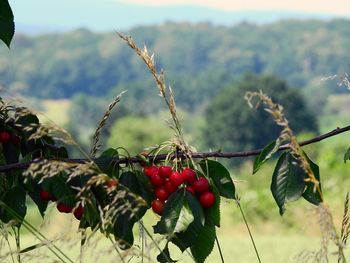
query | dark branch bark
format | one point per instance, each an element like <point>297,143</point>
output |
<point>196,155</point>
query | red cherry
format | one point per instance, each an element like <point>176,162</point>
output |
<point>165,171</point>
<point>156,180</point>
<point>161,193</point>
<point>207,199</point>
<point>111,184</point>
<point>150,170</point>
<point>63,208</point>
<point>78,212</point>
<point>189,175</point>
<point>201,185</point>
<point>176,178</point>
<point>4,136</point>
<point>45,196</point>
<point>16,139</point>
<point>170,187</point>
<point>157,206</point>
<point>190,189</point>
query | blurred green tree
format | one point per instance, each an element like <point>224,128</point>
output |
<point>233,126</point>
<point>136,133</point>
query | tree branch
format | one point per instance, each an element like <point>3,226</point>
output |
<point>196,155</point>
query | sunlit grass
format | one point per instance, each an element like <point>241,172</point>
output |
<point>274,240</point>
<point>57,110</point>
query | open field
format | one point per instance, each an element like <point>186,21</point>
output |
<point>56,110</point>
<point>275,241</point>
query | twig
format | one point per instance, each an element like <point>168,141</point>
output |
<point>196,155</point>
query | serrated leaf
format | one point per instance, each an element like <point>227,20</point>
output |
<point>11,153</point>
<point>91,216</point>
<point>187,238</point>
<point>58,187</point>
<point>347,155</point>
<point>15,205</point>
<point>171,213</point>
<point>185,219</point>
<point>220,176</point>
<point>265,155</point>
<point>106,162</point>
<point>196,208</point>
<point>145,186</point>
<point>7,24</point>
<point>310,195</point>
<point>204,243</point>
<point>34,192</point>
<point>164,256</point>
<point>212,214</point>
<point>125,221</point>
<point>287,181</point>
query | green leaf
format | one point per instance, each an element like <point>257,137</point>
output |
<point>31,248</point>
<point>91,216</point>
<point>220,176</point>
<point>314,197</point>
<point>58,187</point>
<point>212,214</point>
<point>15,205</point>
<point>145,186</point>
<point>347,155</point>
<point>7,24</point>
<point>164,256</point>
<point>287,181</point>
<point>125,221</point>
<point>187,238</point>
<point>196,208</point>
<point>106,162</point>
<point>34,192</point>
<point>11,153</point>
<point>185,219</point>
<point>171,213</point>
<point>204,243</point>
<point>265,155</point>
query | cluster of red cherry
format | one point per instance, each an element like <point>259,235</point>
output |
<point>61,207</point>
<point>6,137</point>
<point>166,181</point>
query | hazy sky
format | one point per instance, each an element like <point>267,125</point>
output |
<point>313,6</point>
<point>102,15</point>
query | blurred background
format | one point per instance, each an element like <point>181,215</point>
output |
<point>67,61</point>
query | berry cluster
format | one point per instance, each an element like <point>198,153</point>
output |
<point>166,181</point>
<point>62,207</point>
<point>7,137</point>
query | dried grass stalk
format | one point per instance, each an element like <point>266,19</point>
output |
<point>96,138</point>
